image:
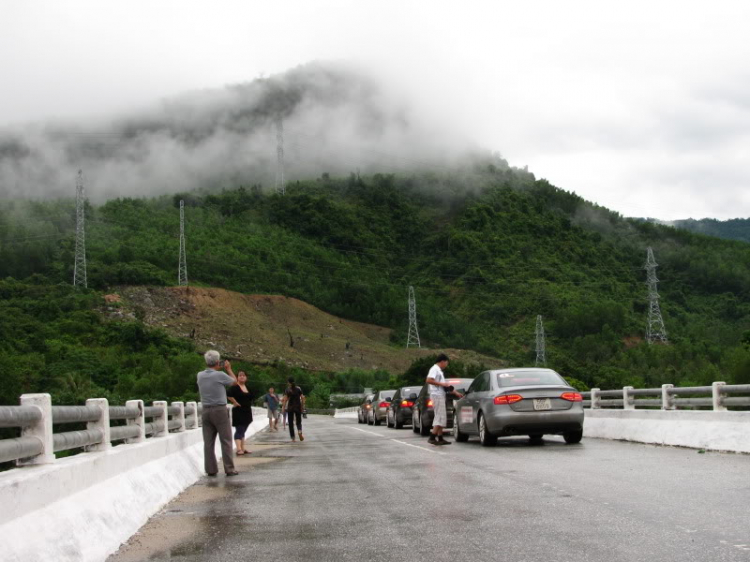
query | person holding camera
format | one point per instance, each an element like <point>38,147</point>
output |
<point>438,388</point>
<point>212,385</point>
<point>242,414</point>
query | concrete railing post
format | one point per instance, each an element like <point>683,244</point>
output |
<point>102,424</point>
<point>627,398</point>
<point>596,399</point>
<point>191,415</point>
<point>164,418</point>
<point>140,421</point>
<point>667,399</point>
<point>717,396</point>
<point>42,429</point>
<point>180,417</point>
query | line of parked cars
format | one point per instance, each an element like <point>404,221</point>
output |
<point>503,402</point>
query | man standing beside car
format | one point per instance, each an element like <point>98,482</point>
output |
<point>437,388</point>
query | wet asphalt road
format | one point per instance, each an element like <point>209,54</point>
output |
<point>355,492</point>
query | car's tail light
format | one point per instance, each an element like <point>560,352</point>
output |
<point>407,403</point>
<point>384,404</point>
<point>571,396</point>
<point>367,407</point>
<point>429,403</point>
<point>508,399</point>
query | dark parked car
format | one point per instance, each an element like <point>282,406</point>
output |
<point>529,402</point>
<point>399,412</point>
<point>422,413</point>
<point>379,410</point>
<point>364,409</point>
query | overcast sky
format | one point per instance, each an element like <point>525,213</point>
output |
<point>643,108</point>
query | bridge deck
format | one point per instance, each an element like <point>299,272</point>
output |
<point>353,492</point>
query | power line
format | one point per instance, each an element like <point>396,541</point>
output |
<point>182,277</point>
<point>655,330</point>
<point>79,268</point>
<point>413,336</point>
<point>541,353</point>
<point>280,186</point>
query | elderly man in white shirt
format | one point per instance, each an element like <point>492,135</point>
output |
<point>436,380</point>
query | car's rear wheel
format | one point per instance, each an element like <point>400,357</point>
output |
<point>359,418</point>
<point>536,439</point>
<point>572,437</point>
<point>376,420</point>
<point>485,437</point>
<point>457,434</point>
<point>397,424</point>
<point>388,420</point>
<point>414,424</point>
<point>423,430</point>
<point>369,420</point>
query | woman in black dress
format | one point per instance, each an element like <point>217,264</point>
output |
<point>242,413</point>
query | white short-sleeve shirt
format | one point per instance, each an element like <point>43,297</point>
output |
<point>437,374</point>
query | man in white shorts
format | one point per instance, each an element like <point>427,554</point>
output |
<point>436,380</point>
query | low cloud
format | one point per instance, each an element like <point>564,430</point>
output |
<point>335,120</point>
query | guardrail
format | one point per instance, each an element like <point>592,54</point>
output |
<point>670,397</point>
<point>36,417</point>
<point>345,410</point>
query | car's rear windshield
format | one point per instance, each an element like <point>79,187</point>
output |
<point>387,394</point>
<point>409,390</point>
<point>523,378</point>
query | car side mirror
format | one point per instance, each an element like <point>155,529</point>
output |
<point>468,390</point>
<point>413,396</point>
<point>389,399</point>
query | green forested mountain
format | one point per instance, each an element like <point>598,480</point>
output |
<point>486,248</point>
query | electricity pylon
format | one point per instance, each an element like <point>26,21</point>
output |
<point>655,330</point>
<point>413,337</point>
<point>280,186</point>
<point>79,268</point>
<point>182,277</point>
<point>541,352</point>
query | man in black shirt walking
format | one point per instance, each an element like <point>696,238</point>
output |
<point>294,403</point>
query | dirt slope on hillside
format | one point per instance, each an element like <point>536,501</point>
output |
<point>265,328</point>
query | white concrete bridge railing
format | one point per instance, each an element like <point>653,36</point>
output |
<point>346,412</point>
<point>89,504</point>
<point>659,416</point>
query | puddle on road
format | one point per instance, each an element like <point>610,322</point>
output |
<point>185,525</point>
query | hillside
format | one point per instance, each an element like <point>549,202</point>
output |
<point>486,247</point>
<point>733,229</point>
<point>260,329</point>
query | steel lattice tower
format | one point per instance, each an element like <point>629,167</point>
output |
<point>280,186</point>
<point>655,330</point>
<point>182,277</point>
<point>79,268</point>
<point>541,351</point>
<point>413,337</point>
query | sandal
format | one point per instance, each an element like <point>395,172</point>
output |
<point>240,453</point>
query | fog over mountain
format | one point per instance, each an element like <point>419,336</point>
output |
<point>335,120</point>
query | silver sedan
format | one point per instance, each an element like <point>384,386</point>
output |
<point>530,401</point>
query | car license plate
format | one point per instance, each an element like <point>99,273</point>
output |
<point>542,404</point>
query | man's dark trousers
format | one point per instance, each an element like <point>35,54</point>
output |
<point>216,422</point>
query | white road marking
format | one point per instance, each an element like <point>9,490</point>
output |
<point>743,546</point>
<point>418,447</point>
<point>397,441</point>
<point>365,431</point>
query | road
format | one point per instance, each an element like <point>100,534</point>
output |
<point>355,492</point>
